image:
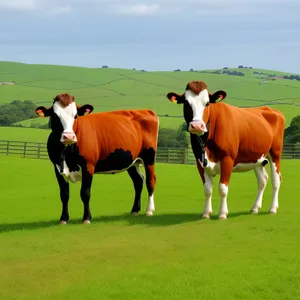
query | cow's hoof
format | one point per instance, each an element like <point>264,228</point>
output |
<point>272,212</point>
<point>254,211</point>
<point>86,222</point>
<point>205,216</point>
<point>134,213</point>
<point>61,222</point>
<point>222,217</point>
<point>149,213</point>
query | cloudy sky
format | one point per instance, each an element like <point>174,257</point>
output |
<point>152,35</point>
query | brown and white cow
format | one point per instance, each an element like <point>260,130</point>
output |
<point>102,143</point>
<point>227,139</point>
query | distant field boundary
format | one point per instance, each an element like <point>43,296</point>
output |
<point>164,155</point>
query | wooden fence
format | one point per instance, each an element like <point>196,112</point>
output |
<point>24,149</point>
<point>164,155</point>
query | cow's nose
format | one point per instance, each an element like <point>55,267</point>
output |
<point>69,136</point>
<point>198,126</point>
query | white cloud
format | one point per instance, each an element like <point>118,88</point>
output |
<point>143,7</point>
<point>136,9</point>
<point>60,10</point>
<point>18,4</point>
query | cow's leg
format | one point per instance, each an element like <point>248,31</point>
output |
<point>208,182</point>
<point>226,170</point>
<point>64,196</point>
<point>150,183</point>
<point>85,194</point>
<point>276,180</point>
<point>138,180</point>
<point>208,188</point>
<point>262,179</point>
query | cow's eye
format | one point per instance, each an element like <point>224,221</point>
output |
<point>76,116</point>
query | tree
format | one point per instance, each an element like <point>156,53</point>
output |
<point>172,138</point>
<point>292,133</point>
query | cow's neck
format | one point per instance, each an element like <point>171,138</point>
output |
<point>202,145</point>
<point>198,146</point>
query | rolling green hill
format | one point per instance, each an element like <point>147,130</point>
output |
<point>111,88</point>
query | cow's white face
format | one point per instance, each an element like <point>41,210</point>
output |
<point>62,115</point>
<point>67,117</point>
<point>198,102</point>
<point>194,100</point>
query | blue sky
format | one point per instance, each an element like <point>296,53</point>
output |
<point>152,35</point>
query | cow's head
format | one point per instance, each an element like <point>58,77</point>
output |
<point>194,100</point>
<point>62,115</point>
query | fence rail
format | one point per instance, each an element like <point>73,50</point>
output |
<point>164,155</point>
<point>24,149</point>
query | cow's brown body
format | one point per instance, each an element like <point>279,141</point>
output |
<point>100,134</point>
<point>243,134</point>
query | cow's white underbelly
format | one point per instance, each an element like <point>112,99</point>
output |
<point>213,168</point>
<point>77,175</point>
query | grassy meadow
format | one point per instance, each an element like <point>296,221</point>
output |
<point>172,255</point>
<point>24,134</point>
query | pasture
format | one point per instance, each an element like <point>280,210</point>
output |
<point>24,134</point>
<point>172,255</point>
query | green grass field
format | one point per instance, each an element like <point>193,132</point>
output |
<point>24,134</point>
<point>111,88</point>
<point>172,255</point>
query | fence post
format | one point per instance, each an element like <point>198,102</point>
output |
<point>39,150</point>
<point>187,156</point>
<point>7,148</point>
<point>184,156</point>
<point>24,150</point>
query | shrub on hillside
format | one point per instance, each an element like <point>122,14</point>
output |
<point>16,111</point>
<point>292,133</point>
<point>173,138</point>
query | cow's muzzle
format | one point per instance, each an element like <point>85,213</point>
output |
<point>197,127</point>
<point>68,138</point>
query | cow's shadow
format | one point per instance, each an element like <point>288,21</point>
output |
<point>158,220</point>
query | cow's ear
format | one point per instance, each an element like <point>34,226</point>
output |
<point>175,98</point>
<point>42,111</point>
<point>217,96</point>
<point>84,109</point>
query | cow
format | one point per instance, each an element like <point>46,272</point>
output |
<point>82,144</point>
<point>226,139</point>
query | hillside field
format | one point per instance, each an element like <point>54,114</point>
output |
<point>172,255</point>
<point>111,89</point>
